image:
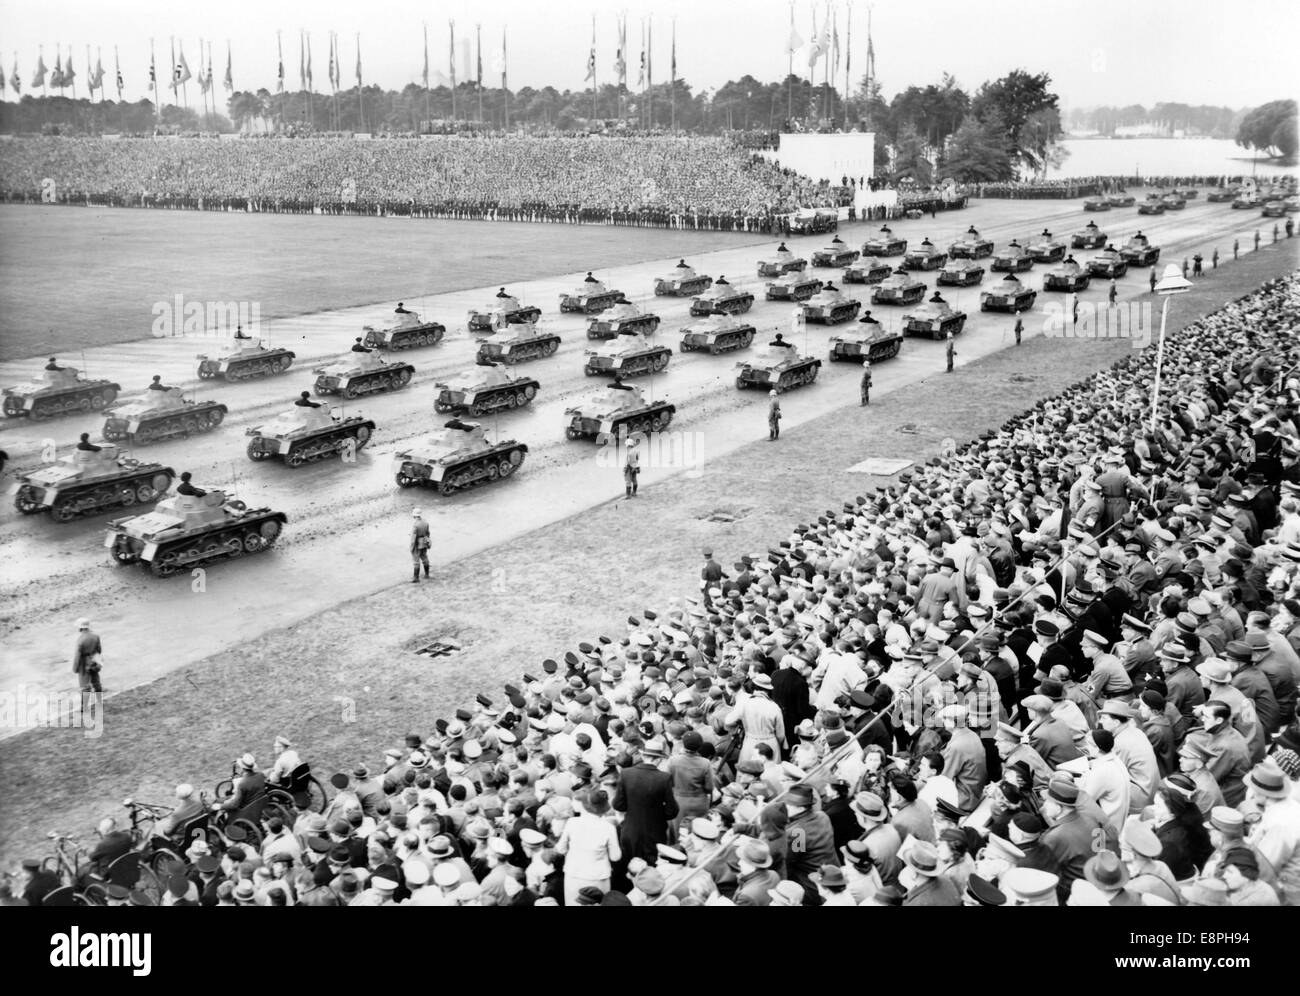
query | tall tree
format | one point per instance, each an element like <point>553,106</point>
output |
<point>977,152</point>
<point>1016,98</point>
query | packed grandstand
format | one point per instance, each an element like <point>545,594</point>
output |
<point>1056,667</point>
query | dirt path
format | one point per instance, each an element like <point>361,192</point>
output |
<point>348,682</point>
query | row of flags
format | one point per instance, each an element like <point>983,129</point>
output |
<point>63,75</point>
<point>645,77</point>
<point>825,43</point>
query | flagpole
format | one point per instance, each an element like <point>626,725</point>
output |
<point>478,65</point>
<point>311,118</point>
<point>505,90</point>
<point>593,68</point>
<point>361,107</point>
<point>650,70</point>
<point>848,58</point>
<point>789,76</point>
<point>153,68</point>
<point>427,113</point>
<point>672,86</point>
<point>451,66</point>
<point>90,75</point>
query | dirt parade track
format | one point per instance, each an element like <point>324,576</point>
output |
<point>318,638</point>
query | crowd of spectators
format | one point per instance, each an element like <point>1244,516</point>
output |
<point>669,181</point>
<point>1057,667</point>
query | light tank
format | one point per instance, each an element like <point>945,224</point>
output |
<point>683,281</point>
<point>1221,195</point>
<point>621,410</point>
<point>1152,205</point>
<point>926,256</point>
<point>629,354</point>
<point>84,482</point>
<point>244,359</point>
<point>590,297</point>
<point>408,333</point>
<point>836,253</point>
<point>518,343</point>
<point>486,388</point>
<point>58,392</point>
<point>158,415</point>
<point>792,287</point>
<point>935,318</point>
<point>1096,204</point>
<point>831,307</point>
<point>781,262</point>
<point>867,270</point>
<point>504,310</point>
<point>362,373</point>
<point>1107,263</point>
<point>187,531</point>
<point>867,340</point>
<point>1012,258</point>
<point>960,273</point>
<point>716,333</point>
<point>623,317</point>
<point>1047,249</point>
<point>900,287</point>
<point>972,245</point>
<point>457,456</point>
<point>777,368</point>
<point>1121,200</point>
<point>1088,237</point>
<point>1008,294</point>
<point>884,243</point>
<point>1173,201</point>
<point>301,435</point>
<point>1067,276</point>
<point>1138,251</point>
<point>722,297</point>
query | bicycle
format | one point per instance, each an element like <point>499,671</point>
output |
<point>65,863</point>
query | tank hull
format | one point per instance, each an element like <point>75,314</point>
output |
<point>834,259</point>
<point>252,532</point>
<point>518,352</point>
<point>631,365</point>
<point>732,304</point>
<point>717,342</point>
<point>64,502</point>
<point>834,314</point>
<point>645,324</point>
<point>799,291</point>
<point>935,328</point>
<point>884,247</point>
<point>188,420</point>
<point>499,397</point>
<point>424,334</point>
<point>1068,284</point>
<point>1021,301</point>
<point>87,396</point>
<point>590,304</point>
<point>647,419</point>
<point>961,278</point>
<point>271,363</point>
<point>331,441</point>
<point>492,464</point>
<point>771,268</point>
<point>856,352</point>
<point>889,295</point>
<point>780,380</point>
<point>682,288</point>
<point>392,377</point>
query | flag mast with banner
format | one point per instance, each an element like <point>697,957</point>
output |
<point>848,60</point>
<point>478,65</point>
<point>361,107</point>
<point>591,68</point>
<point>451,64</point>
<point>153,79</point>
<point>650,69</point>
<point>672,91</point>
<point>427,114</point>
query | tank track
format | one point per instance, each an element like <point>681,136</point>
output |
<point>371,383</point>
<point>485,468</point>
<point>252,534</point>
<point>80,400</point>
<point>412,338</point>
<point>907,297</point>
<point>138,487</point>
<point>725,343</point>
<point>650,362</point>
<point>506,396</point>
<point>261,366</point>
<point>521,353</point>
<point>330,443</point>
<point>192,420</point>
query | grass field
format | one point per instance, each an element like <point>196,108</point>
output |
<point>76,277</point>
<point>347,683</point>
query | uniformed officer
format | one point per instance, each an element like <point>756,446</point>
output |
<point>86,445</point>
<point>774,412</point>
<point>1236,247</point>
<point>1151,279</point>
<point>1196,264</point>
<point>239,333</point>
<point>420,544</point>
<point>631,467</point>
<point>401,309</point>
<point>304,401</point>
<point>952,351</point>
<point>53,364</point>
<point>186,488</point>
<point>157,384</point>
<point>1019,329</point>
<point>780,341</point>
<point>1214,260</point>
<point>1257,240</point>
<point>710,576</point>
<point>865,387</point>
<point>1113,293</point>
<point>359,347</point>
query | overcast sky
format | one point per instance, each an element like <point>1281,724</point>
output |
<point>1195,51</point>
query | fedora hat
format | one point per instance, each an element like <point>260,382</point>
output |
<point>760,680</point>
<point>1268,780</point>
<point>923,859</point>
<point>1106,871</point>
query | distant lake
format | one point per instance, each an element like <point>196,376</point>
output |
<point>1162,157</point>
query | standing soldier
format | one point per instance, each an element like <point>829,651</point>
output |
<point>1020,328</point>
<point>1290,227</point>
<point>1185,267</point>
<point>1214,260</point>
<point>773,417</point>
<point>86,662</point>
<point>710,576</point>
<point>952,351</point>
<point>1257,240</point>
<point>419,546</point>
<point>1236,247</point>
<point>1112,293</point>
<point>1151,279</point>
<point>1275,233</point>
<point>866,382</point>
<point>631,468</point>
<point>1197,269</point>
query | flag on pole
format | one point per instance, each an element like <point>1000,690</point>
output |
<point>56,74</point>
<point>117,67</point>
<point>3,81</point>
<point>358,61</point>
<point>279,76</point>
<point>309,79</point>
<point>302,63</point>
<point>97,77</point>
<point>640,76</point>
<point>503,57</point>
<point>650,52</point>
<point>205,78</point>
<point>794,42</point>
<point>15,80</point>
<point>38,77</point>
<point>620,60</point>
<point>478,54</point>
<point>183,74</point>
<point>673,61</point>
<point>70,73</point>
<point>451,52</point>
<point>835,43</point>
<point>153,74</point>
<point>425,74</point>
<point>229,80</point>
<point>591,57</point>
<point>814,44</point>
